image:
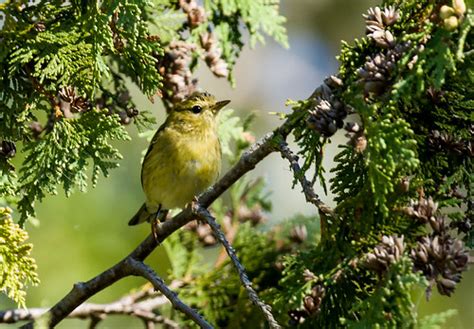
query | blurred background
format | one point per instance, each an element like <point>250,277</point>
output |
<point>80,236</point>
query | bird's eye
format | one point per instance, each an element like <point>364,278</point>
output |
<point>196,109</point>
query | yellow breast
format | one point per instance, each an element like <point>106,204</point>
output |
<point>178,167</point>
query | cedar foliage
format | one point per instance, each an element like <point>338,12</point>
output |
<point>403,95</point>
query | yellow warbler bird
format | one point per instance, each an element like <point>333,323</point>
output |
<point>183,159</point>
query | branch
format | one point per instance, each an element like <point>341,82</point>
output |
<point>143,270</point>
<point>127,267</point>
<point>204,214</point>
<point>308,190</point>
<point>83,290</point>
<point>128,305</point>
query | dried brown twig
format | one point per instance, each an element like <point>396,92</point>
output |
<point>129,266</point>
<point>134,305</point>
<point>143,270</point>
<point>307,187</point>
<point>204,214</point>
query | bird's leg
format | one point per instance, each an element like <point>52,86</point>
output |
<point>155,222</point>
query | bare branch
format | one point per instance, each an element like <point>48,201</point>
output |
<point>21,314</point>
<point>149,325</point>
<point>95,319</point>
<point>133,304</point>
<point>204,214</point>
<point>308,190</point>
<point>143,270</point>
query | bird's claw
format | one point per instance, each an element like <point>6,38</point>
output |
<point>154,228</point>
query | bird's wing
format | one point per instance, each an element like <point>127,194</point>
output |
<point>150,147</point>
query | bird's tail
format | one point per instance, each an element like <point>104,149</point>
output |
<point>141,216</point>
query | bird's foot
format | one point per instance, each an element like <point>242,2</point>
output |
<point>155,227</point>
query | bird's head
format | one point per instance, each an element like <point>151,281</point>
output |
<point>198,111</point>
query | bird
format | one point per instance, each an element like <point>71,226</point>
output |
<point>183,159</point>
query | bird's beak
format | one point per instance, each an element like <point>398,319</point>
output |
<point>220,105</point>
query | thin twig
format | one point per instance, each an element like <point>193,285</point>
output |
<point>230,230</point>
<point>308,190</point>
<point>143,270</point>
<point>95,320</point>
<point>132,305</point>
<point>468,53</point>
<point>149,325</point>
<point>204,214</point>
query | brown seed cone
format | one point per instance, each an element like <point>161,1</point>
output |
<point>68,94</point>
<point>7,149</point>
<point>196,13</point>
<point>255,214</point>
<point>296,317</point>
<point>203,232</point>
<point>79,105</point>
<point>376,73</point>
<point>422,210</point>
<point>298,234</point>
<point>213,55</point>
<point>377,18</point>
<point>40,26</point>
<point>36,129</point>
<point>328,112</point>
<point>441,259</point>
<point>442,141</point>
<point>174,68</point>
<point>312,302</point>
<point>385,254</point>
